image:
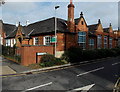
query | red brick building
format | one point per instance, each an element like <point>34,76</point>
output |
<point>37,39</point>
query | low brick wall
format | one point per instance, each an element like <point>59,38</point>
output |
<point>29,53</point>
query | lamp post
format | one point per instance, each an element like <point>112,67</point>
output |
<point>56,7</point>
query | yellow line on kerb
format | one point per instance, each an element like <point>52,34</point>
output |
<point>12,75</point>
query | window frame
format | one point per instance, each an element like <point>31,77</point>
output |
<point>47,42</point>
<point>91,43</point>
<point>110,42</point>
<point>105,42</point>
<point>99,41</point>
<point>82,43</point>
<point>36,42</point>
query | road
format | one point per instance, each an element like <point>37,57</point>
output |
<point>96,76</point>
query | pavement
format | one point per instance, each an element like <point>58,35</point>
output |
<point>10,67</point>
<point>98,76</point>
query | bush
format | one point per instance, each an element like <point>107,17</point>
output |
<point>116,51</point>
<point>72,54</point>
<point>77,55</point>
<point>89,54</point>
<point>49,60</point>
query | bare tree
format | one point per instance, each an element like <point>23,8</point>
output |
<point>2,2</point>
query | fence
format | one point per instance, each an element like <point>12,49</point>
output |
<point>10,52</point>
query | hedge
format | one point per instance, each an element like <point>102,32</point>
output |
<point>75,54</point>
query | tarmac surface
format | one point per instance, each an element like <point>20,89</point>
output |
<point>98,76</point>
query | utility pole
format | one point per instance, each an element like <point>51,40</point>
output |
<point>56,7</point>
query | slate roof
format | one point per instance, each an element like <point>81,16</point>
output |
<point>106,30</point>
<point>92,27</point>
<point>77,21</point>
<point>12,34</point>
<point>42,27</point>
<point>8,28</point>
<point>47,26</point>
<point>91,33</point>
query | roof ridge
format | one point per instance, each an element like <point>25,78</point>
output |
<point>8,24</point>
<point>92,24</point>
<point>106,28</point>
<point>44,20</point>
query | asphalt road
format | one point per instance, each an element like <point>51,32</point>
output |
<point>97,76</point>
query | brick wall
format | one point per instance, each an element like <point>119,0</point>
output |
<point>28,53</point>
<point>60,41</point>
<point>70,40</point>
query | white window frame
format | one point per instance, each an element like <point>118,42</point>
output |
<point>11,42</point>
<point>1,40</point>
<point>110,42</point>
<point>14,41</point>
<point>35,41</point>
<point>105,42</point>
<point>45,42</point>
<point>99,41</point>
<point>8,42</point>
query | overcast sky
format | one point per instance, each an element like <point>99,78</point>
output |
<point>13,12</point>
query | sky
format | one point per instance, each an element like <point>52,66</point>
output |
<point>13,12</point>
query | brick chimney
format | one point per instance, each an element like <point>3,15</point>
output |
<point>71,24</point>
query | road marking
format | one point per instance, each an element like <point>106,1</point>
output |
<point>84,61</point>
<point>38,87</point>
<point>90,71</point>
<point>116,63</point>
<point>83,89</point>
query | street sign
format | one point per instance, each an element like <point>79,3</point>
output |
<point>41,54</point>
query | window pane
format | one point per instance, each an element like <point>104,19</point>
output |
<point>47,40</point>
<point>82,39</point>
<point>36,41</point>
<point>99,41</point>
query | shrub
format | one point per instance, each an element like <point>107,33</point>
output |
<point>72,55</point>
<point>76,54</point>
<point>89,54</point>
<point>49,60</point>
<point>116,51</point>
<point>17,58</point>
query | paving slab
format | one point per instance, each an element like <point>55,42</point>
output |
<point>6,70</point>
<point>13,65</point>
